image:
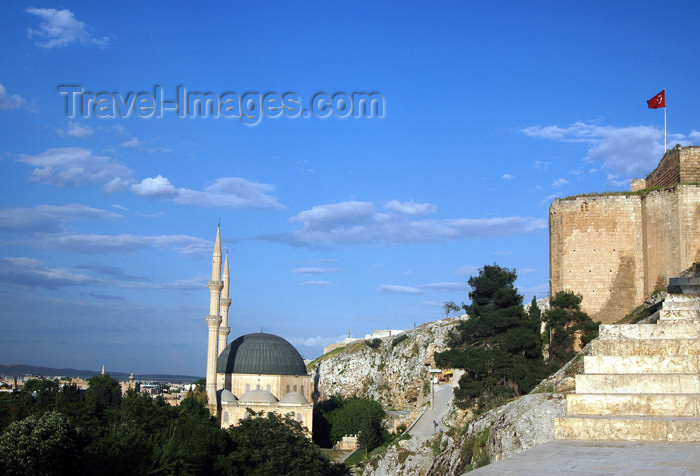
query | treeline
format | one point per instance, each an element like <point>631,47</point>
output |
<point>47,430</point>
<point>500,346</point>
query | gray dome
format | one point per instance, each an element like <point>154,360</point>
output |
<point>258,396</point>
<point>294,397</point>
<point>260,353</point>
<point>227,397</point>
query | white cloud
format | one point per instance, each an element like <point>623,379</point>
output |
<point>548,199</point>
<point>468,270</point>
<point>133,142</point>
<point>541,165</point>
<point>334,216</point>
<point>312,270</point>
<point>60,28</point>
<point>317,283</point>
<point>559,182</point>
<point>10,102</point>
<point>507,177</point>
<point>411,208</point>
<point>398,289</point>
<point>78,166</point>
<point>230,192</point>
<point>155,187</point>
<point>76,130</point>
<point>49,217</point>
<point>359,222</point>
<point>314,341</point>
<point>624,152</point>
<point>75,166</point>
<point>445,287</point>
<point>29,272</point>
<point>123,243</point>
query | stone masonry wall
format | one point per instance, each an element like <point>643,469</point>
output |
<point>677,166</point>
<point>615,250</point>
<point>690,164</point>
<point>668,172</point>
<point>661,239</point>
<point>596,248</point>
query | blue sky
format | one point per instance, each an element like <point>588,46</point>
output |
<point>490,110</point>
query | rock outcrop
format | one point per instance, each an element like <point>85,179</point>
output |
<point>392,370</point>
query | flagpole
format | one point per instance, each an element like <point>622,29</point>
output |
<point>665,133</point>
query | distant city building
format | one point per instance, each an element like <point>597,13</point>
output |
<point>260,371</point>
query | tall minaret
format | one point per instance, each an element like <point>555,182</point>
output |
<point>224,329</point>
<point>213,322</point>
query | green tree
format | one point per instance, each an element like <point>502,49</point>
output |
<point>103,393</point>
<point>497,346</point>
<point>192,443</point>
<point>566,323</point>
<point>271,444</point>
<point>535,315</point>
<point>357,416</point>
<point>448,307</point>
<point>39,446</point>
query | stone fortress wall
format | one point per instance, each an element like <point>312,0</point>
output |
<point>616,249</point>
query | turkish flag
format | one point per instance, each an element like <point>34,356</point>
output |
<point>657,101</point>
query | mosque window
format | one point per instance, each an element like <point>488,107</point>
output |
<point>295,388</point>
<point>287,388</point>
<point>225,417</point>
<point>247,387</point>
<point>300,418</point>
<point>302,390</point>
<point>268,388</point>
<point>257,387</point>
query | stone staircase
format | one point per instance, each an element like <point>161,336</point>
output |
<point>642,381</point>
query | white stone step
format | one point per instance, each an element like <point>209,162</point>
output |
<point>653,404</point>
<point>679,307</point>
<point>641,364</point>
<point>673,429</point>
<point>681,301</point>
<point>663,330</point>
<point>666,315</point>
<point>638,383</point>
<point>628,347</point>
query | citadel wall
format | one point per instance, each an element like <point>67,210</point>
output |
<point>596,250</point>
<point>616,249</point>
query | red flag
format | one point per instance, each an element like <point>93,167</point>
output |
<point>657,101</point>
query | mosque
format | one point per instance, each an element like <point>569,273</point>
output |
<point>260,371</point>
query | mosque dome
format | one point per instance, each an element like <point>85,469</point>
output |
<point>294,397</point>
<point>227,397</point>
<point>260,353</point>
<point>258,396</point>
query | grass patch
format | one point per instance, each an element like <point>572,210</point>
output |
<point>356,457</point>
<point>642,193</point>
<point>474,450</point>
<point>399,339</point>
<point>330,354</point>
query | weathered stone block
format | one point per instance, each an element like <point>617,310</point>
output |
<point>632,404</point>
<point>640,364</point>
<point>638,383</point>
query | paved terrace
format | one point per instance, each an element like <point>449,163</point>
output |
<point>600,458</point>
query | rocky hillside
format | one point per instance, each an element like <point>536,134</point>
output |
<point>392,370</point>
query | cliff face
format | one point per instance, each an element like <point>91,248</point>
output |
<point>395,372</point>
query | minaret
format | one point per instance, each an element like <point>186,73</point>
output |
<point>224,329</point>
<point>213,322</point>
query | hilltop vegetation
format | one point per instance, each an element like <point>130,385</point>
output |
<point>57,431</point>
<point>500,345</point>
